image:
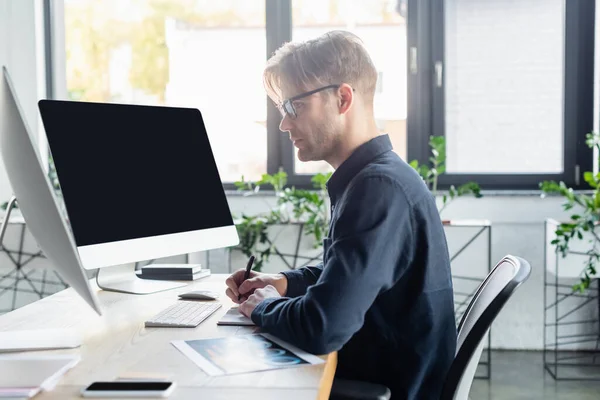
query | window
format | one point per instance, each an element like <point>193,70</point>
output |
<point>504,87</point>
<point>383,30</point>
<point>510,86</point>
<point>200,54</point>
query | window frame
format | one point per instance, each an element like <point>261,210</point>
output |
<point>425,102</point>
<point>285,157</point>
<point>578,92</point>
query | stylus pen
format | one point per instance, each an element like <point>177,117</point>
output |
<point>247,274</point>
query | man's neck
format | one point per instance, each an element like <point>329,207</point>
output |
<point>351,142</point>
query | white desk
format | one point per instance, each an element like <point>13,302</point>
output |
<point>117,343</point>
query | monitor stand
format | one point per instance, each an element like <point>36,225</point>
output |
<point>122,278</point>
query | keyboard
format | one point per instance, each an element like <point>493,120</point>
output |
<point>183,314</point>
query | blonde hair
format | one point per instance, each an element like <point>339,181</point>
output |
<point>335,57</point>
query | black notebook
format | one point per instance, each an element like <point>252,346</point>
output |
<point>174,277</point>
<point>170,269</point>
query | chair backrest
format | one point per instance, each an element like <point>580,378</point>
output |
<point>488,300</point>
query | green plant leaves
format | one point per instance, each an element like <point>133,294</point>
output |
<point>590,178</point>
<point>320,181</point>
<point>293,205</point>
<point>584,222</point>
<point>252,231</point>
<point>430,174</point>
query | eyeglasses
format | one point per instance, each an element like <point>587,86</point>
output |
<point>287,107</point>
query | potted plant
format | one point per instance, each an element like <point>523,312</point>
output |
<point>431,173</point>
<point>305,210</point>
<point>584,219</point>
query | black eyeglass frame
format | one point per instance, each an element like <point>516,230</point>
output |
<point>287,106</point>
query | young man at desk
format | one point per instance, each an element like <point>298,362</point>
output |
<point>383,295</point>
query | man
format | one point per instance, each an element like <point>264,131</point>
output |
<point>383,295</point>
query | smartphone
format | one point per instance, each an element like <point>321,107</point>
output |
<point>129,389</point>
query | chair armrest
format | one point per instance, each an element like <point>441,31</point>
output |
<point>343,389</point>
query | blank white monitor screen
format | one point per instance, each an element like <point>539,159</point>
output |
<point>138,182</point>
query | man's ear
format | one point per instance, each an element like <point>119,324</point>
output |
<point>345,97</point>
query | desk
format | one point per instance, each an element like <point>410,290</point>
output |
<point>117,343</point>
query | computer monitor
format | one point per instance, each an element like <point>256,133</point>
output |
<point>35,196</point>
<point>139,183</point>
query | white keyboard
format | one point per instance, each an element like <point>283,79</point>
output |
<point>183,314</point>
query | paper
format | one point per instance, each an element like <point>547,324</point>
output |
<point>233,316</point>
<point>18,393</point>
<point>25,375</point>
<point>243,353</point>
<point>38,339</point>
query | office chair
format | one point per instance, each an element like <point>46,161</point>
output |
<point>488,300</point>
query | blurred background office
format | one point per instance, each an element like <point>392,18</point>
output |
<point>508,88</point>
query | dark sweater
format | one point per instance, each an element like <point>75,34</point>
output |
<point>383,295</point>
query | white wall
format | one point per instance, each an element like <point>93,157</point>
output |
<point>517,229</point>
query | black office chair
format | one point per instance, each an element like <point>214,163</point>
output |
<point>488,300</point>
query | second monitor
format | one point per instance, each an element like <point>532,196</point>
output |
<point>139,183</point>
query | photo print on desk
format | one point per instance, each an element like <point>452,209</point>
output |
<point>243,354</point>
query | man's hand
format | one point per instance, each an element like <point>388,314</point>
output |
<point>236,284</point>
<point>259,295</point>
